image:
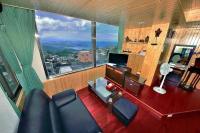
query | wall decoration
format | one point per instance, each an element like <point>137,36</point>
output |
<point>157,34</point>
<point>127,39</point>
<point>146,39</point>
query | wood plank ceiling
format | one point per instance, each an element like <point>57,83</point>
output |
<point>134,12</point>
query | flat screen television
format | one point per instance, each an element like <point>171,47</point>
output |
<point>118,59</point>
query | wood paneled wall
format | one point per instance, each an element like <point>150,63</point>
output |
<point>20,100</point>
<point>153,53</point>
<point>77,80</point>
<point>137,33</point>
<point>149,64</point>
<point>188,35</point>
<point>135,62</point>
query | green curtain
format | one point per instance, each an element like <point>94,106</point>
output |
<point>8,52</point>
<point>120,36</point>
<point>11,102</point>
<point>20,30</point>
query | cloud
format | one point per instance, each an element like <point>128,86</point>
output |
<point>82,23</point>
<point>65,35</point>
<point>73,24</point>
<point>46,23</point>
<point>69,18</point>
<point>51,25</point>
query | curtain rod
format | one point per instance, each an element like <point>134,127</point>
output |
<point>18,6</point>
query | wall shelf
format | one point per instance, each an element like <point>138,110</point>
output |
<point>136,43</point>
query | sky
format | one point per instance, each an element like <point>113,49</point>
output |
<point>53,26</point>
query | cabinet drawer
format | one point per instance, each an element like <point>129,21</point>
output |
<point>134,83</point>
<point>133,86</point>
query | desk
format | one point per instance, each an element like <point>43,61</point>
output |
<point>174,77</point>
<point>178,67</point>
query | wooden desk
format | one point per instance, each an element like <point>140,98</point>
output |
<point>178,68</point>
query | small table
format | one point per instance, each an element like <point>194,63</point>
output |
<point>98,86</point>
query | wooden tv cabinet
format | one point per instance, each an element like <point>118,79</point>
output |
<point>134,83</point>
<point>117,74</point>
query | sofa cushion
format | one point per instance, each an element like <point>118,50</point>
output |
<point>35,117</point>
<point>77,119</point>
<point>64,97</point>
<point>55,118</point>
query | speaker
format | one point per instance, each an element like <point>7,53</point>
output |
<point>1,7</point>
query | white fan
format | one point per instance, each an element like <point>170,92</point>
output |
<point>164,70</point>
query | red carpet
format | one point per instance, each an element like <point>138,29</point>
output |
<point>144,122</point>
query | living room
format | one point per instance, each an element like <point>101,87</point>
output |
<point>99,66</point>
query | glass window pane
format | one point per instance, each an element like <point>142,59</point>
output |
<point>65,42</point>
<point>106,41</point>
<point>8,79</point>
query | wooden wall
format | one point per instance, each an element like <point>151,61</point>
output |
<point>136,33</point>
<point>151,60</point>
<point>187,35</point>
<point>184,36</point>
<point>20,100</point>
<point>149,64</point>
<point>77,80</point>
<point>135,62</point>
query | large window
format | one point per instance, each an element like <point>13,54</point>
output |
<point>106,42</point>
<point>8,79</point>
<point>66,42</point>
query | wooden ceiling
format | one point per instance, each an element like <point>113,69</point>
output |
<point>190,4</point>
<point>135,13</point>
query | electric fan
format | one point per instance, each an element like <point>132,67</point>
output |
<point>164,70</point>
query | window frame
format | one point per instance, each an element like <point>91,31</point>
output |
<point>40,51</point>
<point>93,43</point>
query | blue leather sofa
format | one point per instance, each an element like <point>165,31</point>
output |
<point>64,113</point>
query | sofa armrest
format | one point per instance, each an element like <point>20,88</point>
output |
<point>64,97</point>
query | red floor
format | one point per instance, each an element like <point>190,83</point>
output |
<point>175,102</point>
<point>144,122</point>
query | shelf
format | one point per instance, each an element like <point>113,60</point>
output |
<point>136,42</point>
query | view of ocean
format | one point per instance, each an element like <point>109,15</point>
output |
<point>75,45</point>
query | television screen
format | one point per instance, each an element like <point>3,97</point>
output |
<point>118,59</point>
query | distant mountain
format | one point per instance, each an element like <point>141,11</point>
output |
<point>55,45</point>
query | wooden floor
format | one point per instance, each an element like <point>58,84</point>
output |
<point>144,122</point>
<point>175,102</point>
